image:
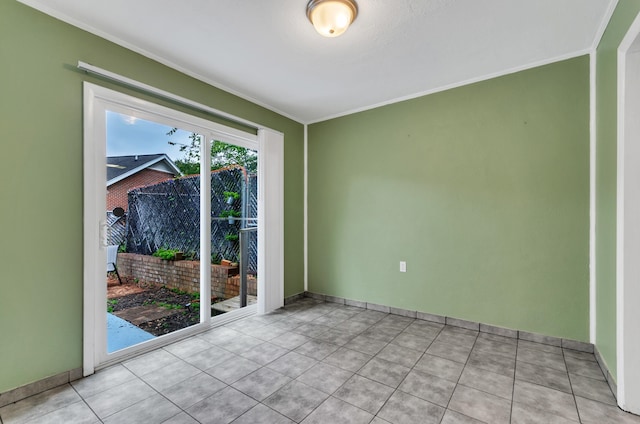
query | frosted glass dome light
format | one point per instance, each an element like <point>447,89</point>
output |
<point>331,17</point>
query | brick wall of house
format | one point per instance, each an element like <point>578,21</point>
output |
<point>183,275</point>
<point>117,193</point>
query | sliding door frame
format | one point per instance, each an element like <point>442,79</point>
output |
<point>267,142</point>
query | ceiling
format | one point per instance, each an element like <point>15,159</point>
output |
<point>268,52</point>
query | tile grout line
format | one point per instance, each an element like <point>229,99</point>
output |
<point>141,400</point>
<point>573,394</point>
<point>477,336</point>
<point>363,365</point>
<point>355,372</point>
<point>460,376</point>
<point>411,369</point>
<point>513,386</point>
<point>467,363</point>
<point>296,379</point>
<point>564,356</point>
<point>372,357</point>
<point>588,378</point>
<point>173,403</point>
<point>84,401</point>
<point>261,367</point>
<point>398,326</point>
<point>546,386</point>
<point>140,378</point>
<point>53,410</point>
<point>260,402</point>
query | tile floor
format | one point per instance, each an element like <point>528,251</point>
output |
<point>316,362</point>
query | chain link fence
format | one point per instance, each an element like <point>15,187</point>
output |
<point>167,215</point>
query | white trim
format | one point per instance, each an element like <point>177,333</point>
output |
<point>306,208</point>
<point>164,94</point>
<point>592,197</point>
<point>97,101</point>
<point>205,227</point>
<point>271,217</point>
<point>90,237</point>
<point>603,24</point>
<point>620,237</point>
<point>44,8</point>
<point>457,84</point>
<point>627,222</point>
<point>144,166</point>
<point>142,109</point>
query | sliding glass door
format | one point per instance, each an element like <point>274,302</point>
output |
<point>167,258</point>
<point>153,235</point>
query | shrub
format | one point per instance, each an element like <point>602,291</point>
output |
<point>233,194</point>
<point>228,213</point>
<point>166,254</point>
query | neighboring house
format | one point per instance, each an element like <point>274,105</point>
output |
<point>127,172</point>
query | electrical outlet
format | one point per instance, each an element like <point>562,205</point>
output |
<point>403,266</point>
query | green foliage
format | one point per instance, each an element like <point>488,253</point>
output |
<point>168,305</point>
<point>110,304</point>
<point>194,295</point>
<point>222,155</point>
<point>231,237</point>
<point>166,254</point>
<point>195,307</point>
<point>122,248</point>
<point>233,194</point>
<point>191,162</point>
<point>228,213</point>
<point>216,258</point>
<point>188,168</point>
<point>163,304</point>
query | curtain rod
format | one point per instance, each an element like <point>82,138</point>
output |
<point>165,94</point>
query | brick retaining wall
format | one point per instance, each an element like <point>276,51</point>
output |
<point>183,275</point>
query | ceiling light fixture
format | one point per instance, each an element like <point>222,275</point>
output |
<point>331,17</point>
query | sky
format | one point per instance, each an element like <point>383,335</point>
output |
<point>127,135</point>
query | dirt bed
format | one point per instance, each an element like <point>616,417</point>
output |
<point>186,307</point>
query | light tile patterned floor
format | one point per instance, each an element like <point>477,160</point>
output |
<point>316,362</point>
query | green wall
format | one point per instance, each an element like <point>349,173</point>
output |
<point>606,169</point>
<point>483,190</point>
<point>41,188</point>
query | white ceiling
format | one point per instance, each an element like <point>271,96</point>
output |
<point>268,52</point>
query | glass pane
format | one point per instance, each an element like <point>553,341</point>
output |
<point>234,224</point>
<point>153,216</point>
